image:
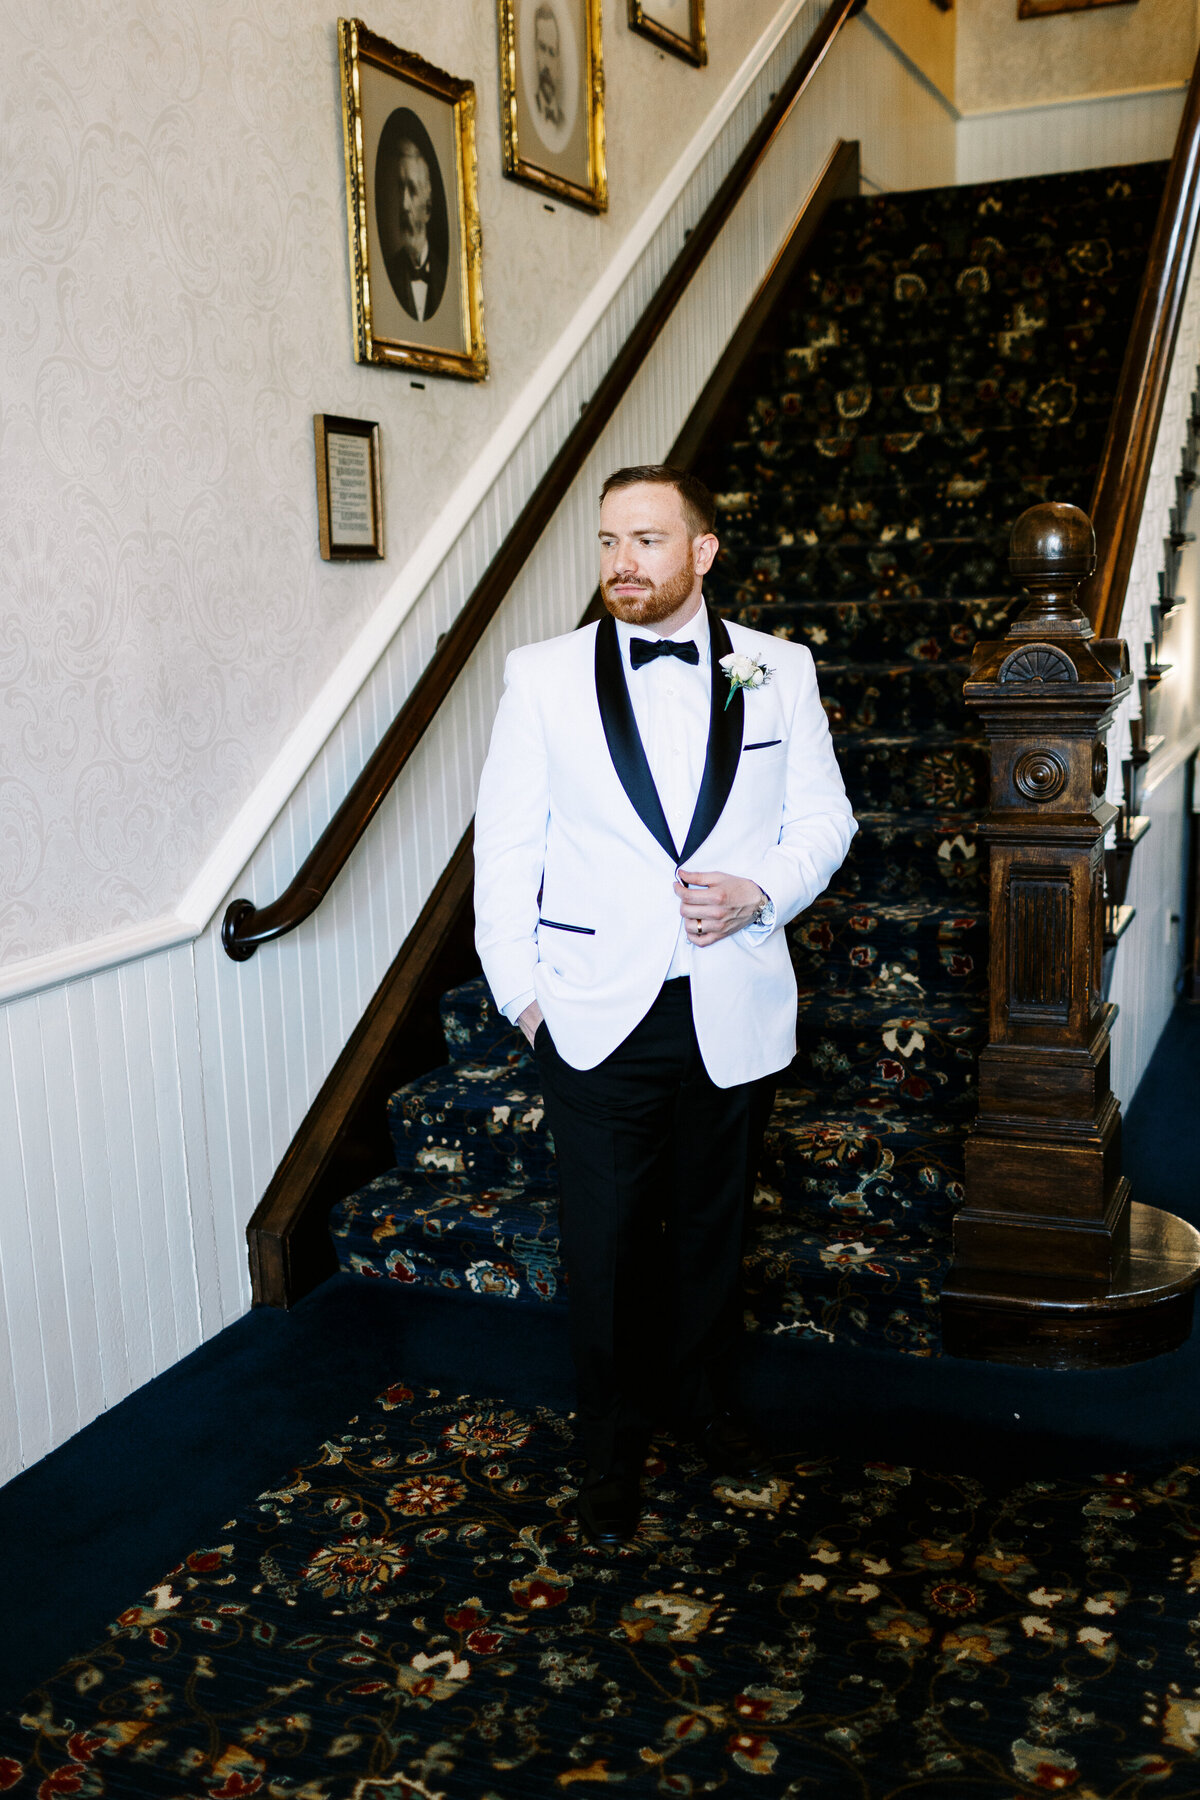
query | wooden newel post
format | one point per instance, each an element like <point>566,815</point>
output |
<point>1050,1257</point>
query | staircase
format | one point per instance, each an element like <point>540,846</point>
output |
<point>944,360</point>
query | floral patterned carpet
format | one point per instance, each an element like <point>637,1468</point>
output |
<point>942,361</point>
<point>412,1615</point>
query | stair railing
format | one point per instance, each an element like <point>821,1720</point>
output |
<point>1124,472</point>
<point>246,925</point>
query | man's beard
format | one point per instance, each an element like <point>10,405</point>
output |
<point>657,601</point>
<point>414,244</point>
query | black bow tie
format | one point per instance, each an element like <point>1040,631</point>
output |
<point>644,650</point>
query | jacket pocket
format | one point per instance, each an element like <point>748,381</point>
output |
<point>557,925</point>
<point>765,744</point>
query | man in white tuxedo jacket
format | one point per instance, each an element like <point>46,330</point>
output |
<point>650,818</point>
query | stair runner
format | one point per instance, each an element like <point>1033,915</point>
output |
<point>944,359</point>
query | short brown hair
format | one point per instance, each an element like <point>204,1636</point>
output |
<point>699,511</point>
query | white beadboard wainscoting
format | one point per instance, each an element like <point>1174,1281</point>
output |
<point>1148,955</point>
<point>1088,131</point>
<point>144,1108</point>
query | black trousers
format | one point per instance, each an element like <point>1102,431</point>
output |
<point>656,1165</point>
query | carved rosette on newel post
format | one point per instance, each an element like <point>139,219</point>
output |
<point>1054,1264</point>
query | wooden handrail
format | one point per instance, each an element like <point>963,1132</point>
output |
<point>245,925</point>
<point>1124,472</point>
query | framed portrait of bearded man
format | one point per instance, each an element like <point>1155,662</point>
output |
<point>552,98</point>
<point>412,209</point>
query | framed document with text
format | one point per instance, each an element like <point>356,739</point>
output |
<point>349,491</point>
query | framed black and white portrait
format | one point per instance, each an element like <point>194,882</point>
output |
<point>552,98</point>
<point>412,209</point>
<point>674,25</point>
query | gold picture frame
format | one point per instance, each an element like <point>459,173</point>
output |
<point>552,98</point>
<point>660,21</point>
<point>349,488</point>
<point>1048,9</point>
<point>412,209</point>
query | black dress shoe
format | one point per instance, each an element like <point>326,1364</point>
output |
<point>729,1447</point>
<point>609,1509</point>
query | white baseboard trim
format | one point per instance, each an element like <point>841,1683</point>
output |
<point>1060,100</point>
<point>76,960</point>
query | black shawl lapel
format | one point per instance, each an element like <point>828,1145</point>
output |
<point>724,742</point>
<point>624,744</point>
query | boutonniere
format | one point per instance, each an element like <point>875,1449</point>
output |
<point>744,672</point>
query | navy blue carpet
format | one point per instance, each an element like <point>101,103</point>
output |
<point>90,1528</point>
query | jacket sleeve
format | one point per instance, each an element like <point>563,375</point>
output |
<point>510,838</point>
<point>817,823</point>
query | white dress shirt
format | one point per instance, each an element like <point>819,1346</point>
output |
<point>671,702</point>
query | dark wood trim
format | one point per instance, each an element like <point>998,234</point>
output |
<point>1124,471</point>
<point>288,1235</point>
<point>245,925</point>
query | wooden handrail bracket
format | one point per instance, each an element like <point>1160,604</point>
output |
<point>245,925</point>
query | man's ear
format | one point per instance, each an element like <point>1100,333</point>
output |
<point>705,550</point>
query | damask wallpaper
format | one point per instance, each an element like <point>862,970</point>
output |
<point>1003,61</point>
<point>174,307</point>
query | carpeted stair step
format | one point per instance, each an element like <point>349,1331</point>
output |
<point>1003,384</point>
<point>943,506</point>
<point>879,1170</point>
<point>952,568</point>
<point>824,378</point>
<point>1028,213</point>
<point>888,1050</point>
<point>847,948</point>
<point>474,1120</point>
<point>476,1032</point>
<point>877,697</point>
<point>849,1289</point>
<point>453,1233</point>
<point>999,301</point>
<point>909,856</point>
<point>784,484</point>
<point>918,630</point>
<point>929,771</point>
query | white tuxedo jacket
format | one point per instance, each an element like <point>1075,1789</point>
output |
<point>575,865</point>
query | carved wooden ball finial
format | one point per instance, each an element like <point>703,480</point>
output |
<point>1053,540</point>
<point>1052,551</point>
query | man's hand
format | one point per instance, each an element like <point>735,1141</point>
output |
<point>715,906</point>
<point>530,1019</point>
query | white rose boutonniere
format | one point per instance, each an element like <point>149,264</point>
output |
<point>744,672</point>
